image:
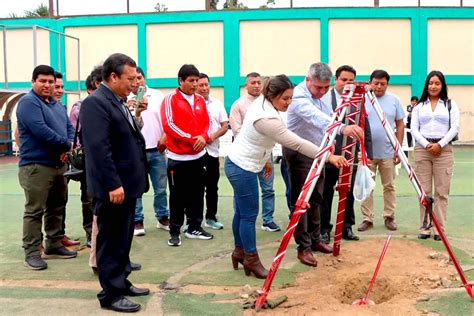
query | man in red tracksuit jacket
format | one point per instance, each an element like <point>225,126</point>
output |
<point>186,124</point>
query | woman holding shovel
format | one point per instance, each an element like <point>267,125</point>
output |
<point>261,129</point>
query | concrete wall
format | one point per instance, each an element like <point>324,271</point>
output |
<point>408,43</point>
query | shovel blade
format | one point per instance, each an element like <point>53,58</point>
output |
<point>363,301</point>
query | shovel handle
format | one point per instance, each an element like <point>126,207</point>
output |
<point>377,268</point>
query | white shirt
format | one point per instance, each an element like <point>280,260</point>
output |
<point>426,123</point>
<point>152,129</point>
<point>217,115</point>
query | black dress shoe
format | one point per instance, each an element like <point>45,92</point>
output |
<point>123,305</point>
<point>135,291</point>
<point>135,266</point>
<point>347,234</point>
<point>437,237</point>
<point>423,236</point>
<point>325,237</point>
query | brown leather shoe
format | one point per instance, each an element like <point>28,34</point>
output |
<point>306,257</point>
<point>365,225</point>
<point>237,257</point>
<point>390,224</point>
<point>68,242</point>
<point>321,247</point>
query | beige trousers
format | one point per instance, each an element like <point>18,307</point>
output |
<point>92,256</point>
<point>386,167</point>
<point>439,170</point>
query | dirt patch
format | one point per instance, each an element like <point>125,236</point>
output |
<point>353,289</point>
<point>408,271</point>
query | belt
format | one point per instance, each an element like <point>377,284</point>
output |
<point>433,140</point>
<point>151,150</point>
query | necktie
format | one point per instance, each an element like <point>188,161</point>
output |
<point>128,114</point>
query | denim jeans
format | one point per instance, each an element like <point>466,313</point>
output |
<point>158,177</point>
<point>245,185</point>
<point>268,196</point>
<point>286,179</point>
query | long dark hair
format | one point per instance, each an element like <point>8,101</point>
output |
<point>443,95</point>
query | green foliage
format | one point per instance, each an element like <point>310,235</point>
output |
<point>270,3</point>
<point>160,7</point>
<point>213,4</point>
<point>234,4</point>
<point>41,11</point>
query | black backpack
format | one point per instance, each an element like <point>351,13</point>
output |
<point>449,111</point>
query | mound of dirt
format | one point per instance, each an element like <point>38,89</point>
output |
<point>408,271</point>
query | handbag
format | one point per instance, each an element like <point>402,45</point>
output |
<point>76,159</point>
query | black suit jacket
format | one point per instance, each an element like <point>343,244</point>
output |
<point>367,136</point>
<point>114,149</point>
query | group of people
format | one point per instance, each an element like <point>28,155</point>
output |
<point>131,133</point>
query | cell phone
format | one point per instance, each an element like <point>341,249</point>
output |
<point>139,96</point>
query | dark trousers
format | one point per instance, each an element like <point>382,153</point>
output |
<point>45,199</point>
<point>331,176</point>
<point>114,240</point>
<point>186,183</point>
<point>87,214</point>
<point>211,185</point>
<point>308,230</point>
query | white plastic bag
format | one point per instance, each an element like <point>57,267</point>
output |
<point>364,183</point>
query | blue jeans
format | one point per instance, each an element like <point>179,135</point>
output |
<point>286,179</point>
<point>268,196</point>
<point>245,185</point>
<point>158,177</point>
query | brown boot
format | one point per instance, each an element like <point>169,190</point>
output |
<point>237,257</point>
<point>252,264</point>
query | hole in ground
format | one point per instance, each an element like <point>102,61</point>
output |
<point>355,288</point>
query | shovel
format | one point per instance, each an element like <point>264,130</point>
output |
<point>365,300</point>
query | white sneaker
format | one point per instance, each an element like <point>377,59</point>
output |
<point>163,223</point>
<point>139,229</point>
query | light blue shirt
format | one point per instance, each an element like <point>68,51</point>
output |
<point>393,110</point>
<point>308,117</point>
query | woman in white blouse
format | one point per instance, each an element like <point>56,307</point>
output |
<point>251,149</point>
<point>434,127</point>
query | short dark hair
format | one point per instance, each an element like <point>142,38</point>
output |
<point>252,74</point>
<point>115,63</point>
<point>43,70</point>
<point>274,86</point>
<point>186,71</point>
<point>380,74</point>
<point>203,75</point>
<point>443,94</point>
<point>96,74</point>
<point>90,85</point>
<point>414,98</point>
<point>141,72</point>
<point>58,75</point>
<point>345,68</point>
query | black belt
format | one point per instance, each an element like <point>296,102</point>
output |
<point>433,140</point>
<point>151,150</point>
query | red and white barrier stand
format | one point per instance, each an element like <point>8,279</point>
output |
<point>353,96</point>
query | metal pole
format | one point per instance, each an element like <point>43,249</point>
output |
<point>5,72</point>
<point>79,67</point>
<point>35,48</point>
<point>59,52</point>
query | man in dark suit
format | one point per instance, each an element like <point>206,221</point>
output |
<point>345,74</point>
<point>116,177</point>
